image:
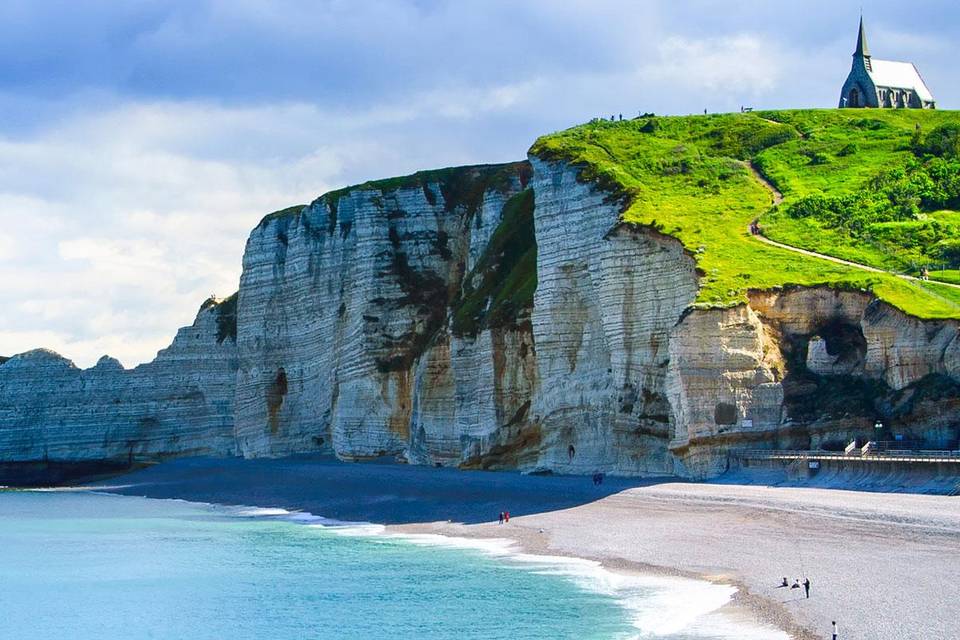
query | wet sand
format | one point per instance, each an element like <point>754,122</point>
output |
<point>882,565</point>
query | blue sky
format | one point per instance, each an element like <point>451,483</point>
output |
<point>140,141</point>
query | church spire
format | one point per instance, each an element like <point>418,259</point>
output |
<point>862,49</point>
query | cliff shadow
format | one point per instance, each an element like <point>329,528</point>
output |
<point>376,491</point>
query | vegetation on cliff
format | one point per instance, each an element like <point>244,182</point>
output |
<point>503,282</point>
<point>459,186</point>
<point>878,190</point>
<point>282,213</point>
<point>865,185</point>
<point>226,311</point>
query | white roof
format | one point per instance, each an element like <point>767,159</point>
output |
<point>899,75</point>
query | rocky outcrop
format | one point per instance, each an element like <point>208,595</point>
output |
<point>808,368</point>
<point>492,317</point>
<point>181,403</point>
<point>345,324</point>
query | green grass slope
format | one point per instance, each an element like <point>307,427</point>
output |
<point>689,177</point>
<point>877,187</point>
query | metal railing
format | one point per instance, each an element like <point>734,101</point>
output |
<point>856,455</point>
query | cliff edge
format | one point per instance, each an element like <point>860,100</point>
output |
<point>602,306</point>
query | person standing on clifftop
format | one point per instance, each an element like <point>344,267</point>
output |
<point>501,518</point>
<point>506,516</point>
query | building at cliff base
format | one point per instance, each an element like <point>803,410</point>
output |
<point>883,83</point>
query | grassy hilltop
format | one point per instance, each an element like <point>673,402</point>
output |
<point>877,187</point>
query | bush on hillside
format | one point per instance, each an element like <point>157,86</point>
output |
<point>895,195</point>
<point>948,251</point>
<point>848,149</point>
<point>944,141</point>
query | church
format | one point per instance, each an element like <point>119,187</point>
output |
<point>882,83</point>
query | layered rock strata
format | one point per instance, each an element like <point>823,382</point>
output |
<point>181,403</point>
<point>493,317</point>
<point>344,322</point>
<point>809,368</point>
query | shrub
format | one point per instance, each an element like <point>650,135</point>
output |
<point>849,149</point>
<point>944,141</point>
<point>650,126</point>
<point>949,251</point>
<point>870,124</point>
<point>819,158</point>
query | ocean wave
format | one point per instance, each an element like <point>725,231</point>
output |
<point>657,606</point>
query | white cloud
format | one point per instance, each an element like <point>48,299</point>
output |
<point>742,63</point>
<point>8,247</point>
<point>126,219</point>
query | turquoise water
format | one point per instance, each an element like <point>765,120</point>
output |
<point>85,566</point>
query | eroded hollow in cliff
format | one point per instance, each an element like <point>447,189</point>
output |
<point>825,375</point>
<point>845,343</point>
<point>275,394</point>
<point>725,413</point>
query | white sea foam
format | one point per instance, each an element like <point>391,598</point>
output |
<point>258,512</point>
<point>658,606</point>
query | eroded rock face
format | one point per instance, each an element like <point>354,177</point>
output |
<point>399,318</point>
<point>607,298</point>
<point>351,300</point>
<point>179,404</point>
<point>899,349</point>
<point>808,368</point>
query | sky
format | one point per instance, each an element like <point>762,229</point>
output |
<point>140,141</point>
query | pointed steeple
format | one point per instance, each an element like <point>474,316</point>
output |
<point>862,49</point>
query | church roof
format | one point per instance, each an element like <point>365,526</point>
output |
<point>899,75</point>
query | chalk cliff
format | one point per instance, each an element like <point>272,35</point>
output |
<point>345,320</point>
<point>181,403</point>
<point>492,317</point>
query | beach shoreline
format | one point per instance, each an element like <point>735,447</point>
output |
<point>876,561</point>
<point>743,606</point>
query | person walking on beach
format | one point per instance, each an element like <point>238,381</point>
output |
<point>835,636</point>
<point>501,517</point>
<point>806,587</point>
<point>506,516</point>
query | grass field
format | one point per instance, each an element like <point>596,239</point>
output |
<point>689,177</point>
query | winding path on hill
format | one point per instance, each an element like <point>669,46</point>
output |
<point>778,198</point>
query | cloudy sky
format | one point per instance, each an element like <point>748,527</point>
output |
<point>140,141</point>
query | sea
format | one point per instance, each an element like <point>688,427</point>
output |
<point>92,566</point>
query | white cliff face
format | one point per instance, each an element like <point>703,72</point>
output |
<point>179,404</point>
<point>872,338</point>
<point>607,297</point>
<point>342,331</point>
<point>723,381</point>
<point>396,318</point>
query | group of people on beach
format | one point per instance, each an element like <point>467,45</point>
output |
<point>796,584</point>
<point>504,516</point>
<point>806,589</point>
